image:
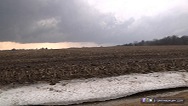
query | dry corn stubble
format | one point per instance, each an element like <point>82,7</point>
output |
<point>31,66</point>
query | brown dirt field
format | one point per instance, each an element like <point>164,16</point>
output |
<point>31,66</point>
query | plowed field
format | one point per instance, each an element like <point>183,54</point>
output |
<point>31,66</point>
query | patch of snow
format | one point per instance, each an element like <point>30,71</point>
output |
<point>93,89</point>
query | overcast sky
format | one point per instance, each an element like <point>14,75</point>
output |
<point>95,21</point>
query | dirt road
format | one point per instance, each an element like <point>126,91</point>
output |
<point>135,100</point>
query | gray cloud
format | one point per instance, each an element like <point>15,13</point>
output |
<point>29,21</point>
<point>159,26</point>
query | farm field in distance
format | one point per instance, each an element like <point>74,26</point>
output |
<point>53,65</point>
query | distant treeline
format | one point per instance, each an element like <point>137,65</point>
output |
<point>170,40</point>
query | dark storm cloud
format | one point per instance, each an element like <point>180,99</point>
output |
<point>17,17</point>
<point>74,21</point>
